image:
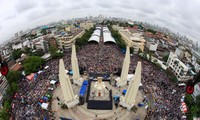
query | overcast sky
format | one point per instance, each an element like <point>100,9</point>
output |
<point>182,16</point>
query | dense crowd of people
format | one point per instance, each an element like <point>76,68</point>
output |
<point>25,103</point>
<point>100,58</point>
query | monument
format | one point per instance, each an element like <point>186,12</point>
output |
<point>129,100</point>
<point>69,98</point>
<point>75,68</point>
<point>99,87</point>
<point>122,81</point>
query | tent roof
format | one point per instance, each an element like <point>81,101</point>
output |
<point>108,38</point>
<point>94,38</point>
<point>44,105</point>
<point>52,82</point>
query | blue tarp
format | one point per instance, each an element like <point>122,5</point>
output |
<point>85,82</point>
<point>71,72</point>
<point>83,88</point>
<point>124,92</point>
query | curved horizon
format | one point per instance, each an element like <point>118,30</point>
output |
<point>178,16</point>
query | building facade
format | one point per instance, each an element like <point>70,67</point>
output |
<point>65,41</point>
<point>86,25</point>
<point>179,69</point>
<point>3,87</point>
<point>151,45</point>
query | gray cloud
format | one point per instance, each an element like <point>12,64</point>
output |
<point>177,15</point>
<point>25,5</point>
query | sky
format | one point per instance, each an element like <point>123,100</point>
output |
<point>181,16</point>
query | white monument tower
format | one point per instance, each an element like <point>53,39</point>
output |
<point>76,75</point>
<point>129,100</point>
<point>122,81</point>
<point>99,87</point>
<point>69,98</point>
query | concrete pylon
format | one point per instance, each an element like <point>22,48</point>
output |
<point>129,100</point>
<point>69,98</point>
<point>76,74</point>
<point>122,81</point>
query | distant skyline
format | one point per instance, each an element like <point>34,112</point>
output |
<point>176,15</point>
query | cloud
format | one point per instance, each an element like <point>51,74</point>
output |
<point>22,5</point>
<point>177,15</point>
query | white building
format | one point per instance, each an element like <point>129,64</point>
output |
<point>18,45</point>
<point>42,44</point>
<point>3,87</point>
<point>179,69</point>
<point>151,44</point>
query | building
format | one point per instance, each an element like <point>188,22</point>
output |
<point>179,69</point>
<point>66,40</point>
<point>3,87</point>
<point>42,44</point>
<point>86,25</point>
<point>17,45</point>
<point>151,45</point>
<point>134,40</point>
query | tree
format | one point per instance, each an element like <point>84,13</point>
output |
<point>165,58</point>
<point>38,52</point>
<point>15,87</point>
<point>4,114</point>
<point>12,76</point>
<point>17,54</point>
<point>43,31</point>
<point>33,64</point>
<point>54,52</point>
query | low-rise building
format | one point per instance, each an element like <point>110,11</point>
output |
<point>42,44</point>
<point>66,40</point>
<point>3,87</point>
<point>134,40</point>
<point>86,25</point>
<point>151,45</point>
<point>179,69</point>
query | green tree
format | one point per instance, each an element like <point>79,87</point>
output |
<point>54,52</point>
<point>4,114</point>
<point>33,64</point>
<point>15,87</point>
<point>12,76</point>
<point>165,58</point>
<point>43,31</point>
<point>17,54</point>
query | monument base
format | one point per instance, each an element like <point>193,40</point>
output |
<point>78,82</point>
<point>120,83</point>
<point>72,103</point>
<point>126,105</point>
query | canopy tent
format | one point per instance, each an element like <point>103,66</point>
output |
<point>31,76</point>
<point>46,67</point>
<point>45,106</point>
<point>52,82</point>
<point>66,71</point>
<point>41,71</point>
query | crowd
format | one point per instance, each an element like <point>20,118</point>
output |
<point>99,58</point>
<point>25,103</point>
<point>103,58</point>
<point>167,103</point>
<point>108,58</point>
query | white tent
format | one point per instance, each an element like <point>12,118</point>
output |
<point>52,82</point>
<point>45,106</point>
<point>66,71</point>
<point>46,67</point>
